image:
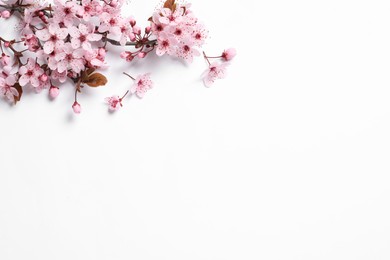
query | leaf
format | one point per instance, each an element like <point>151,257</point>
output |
<point>150,19</point>
<point>95,80</point>
<point>20,91</point>
<point>170,4</point>
<point>85,74</point>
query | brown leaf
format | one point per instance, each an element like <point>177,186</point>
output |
<point>150,19</point>
<point>20,91</point>
<point>95,80</point>
<point>170,4</point>
<point>85,74</point>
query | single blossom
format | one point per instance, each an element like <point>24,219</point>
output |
<point>31,73</point>
<point>229,54</point>
<point>142,84</point>
<point>65,12</point>
<point>7,84</point>
<point>31,41</point>
<point>215,71</point>
<point>187,50</point>
<point>166,43</point>
<point>114,103</point>
<point>83,36</point>
<point>70,59</point>
<point>53,37</point>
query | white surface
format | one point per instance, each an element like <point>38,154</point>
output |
<point>288,158</point>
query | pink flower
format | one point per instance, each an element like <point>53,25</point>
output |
<point>54,92</point>
<point>31,73</point>
<point>199,35</point>
<point>166,44</point>
<point>65,13</point>
<point>187,50</point>
<point>76,108</point>
<point>70,59</point>
<point>142,84</point>
<point>82,36</point>
<point>61,77</point>
<point>5,60</point>
<point>31,41</point>
<point>229,54</point>
<point>96,58</point>
<point>89,8</point>
<point>114,103</point>
<point>214,72</point>
<point>169,17</point>
<point>7,82</point>
<point>110,23</point>
<point>53,37</point>
<point>126,31</point>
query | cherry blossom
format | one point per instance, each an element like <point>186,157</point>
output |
<point>229,54</point>
<point>83,36</point>
<point>70,59</point>
<point>7,83</point>
<point>114,103</point>
<point>141,85</point>
<point>31,74</point>
<point>214,72</point>
<point>53,37</point>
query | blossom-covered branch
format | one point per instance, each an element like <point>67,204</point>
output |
<point>68,41</point>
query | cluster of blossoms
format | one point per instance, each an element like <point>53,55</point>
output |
<point>68,40</point>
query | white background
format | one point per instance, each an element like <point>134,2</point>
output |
<point>287,158</point>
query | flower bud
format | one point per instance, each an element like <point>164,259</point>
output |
<point>76,108</point>
<point>54,92</point>
<point>142,55</point>
<point>132,22</point>
<point>43,77</point>
<point>5,14</point>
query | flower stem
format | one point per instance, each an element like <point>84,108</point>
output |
<point>128,75</point>
<point>127,92</point>
<point>206,58</point>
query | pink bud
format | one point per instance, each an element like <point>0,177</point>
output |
<point>229,54</point>
<point>125,54</point>
<point>132,37</point>
<point>5,14</point>
<point>142,55</point>
<point>43,77</point>
<point>137,30</point>
<point>132,22</point>
<point>7,44</point>
<point>102,52</point>
<point>76,108</point>
<point>148,29</point>
<point>54,92</point>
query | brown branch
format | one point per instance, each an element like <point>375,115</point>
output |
<point>116,43</point>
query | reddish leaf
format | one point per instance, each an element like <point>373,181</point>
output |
<point>95,80</point>
<point>170,4</point>
<point>20,91</point>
